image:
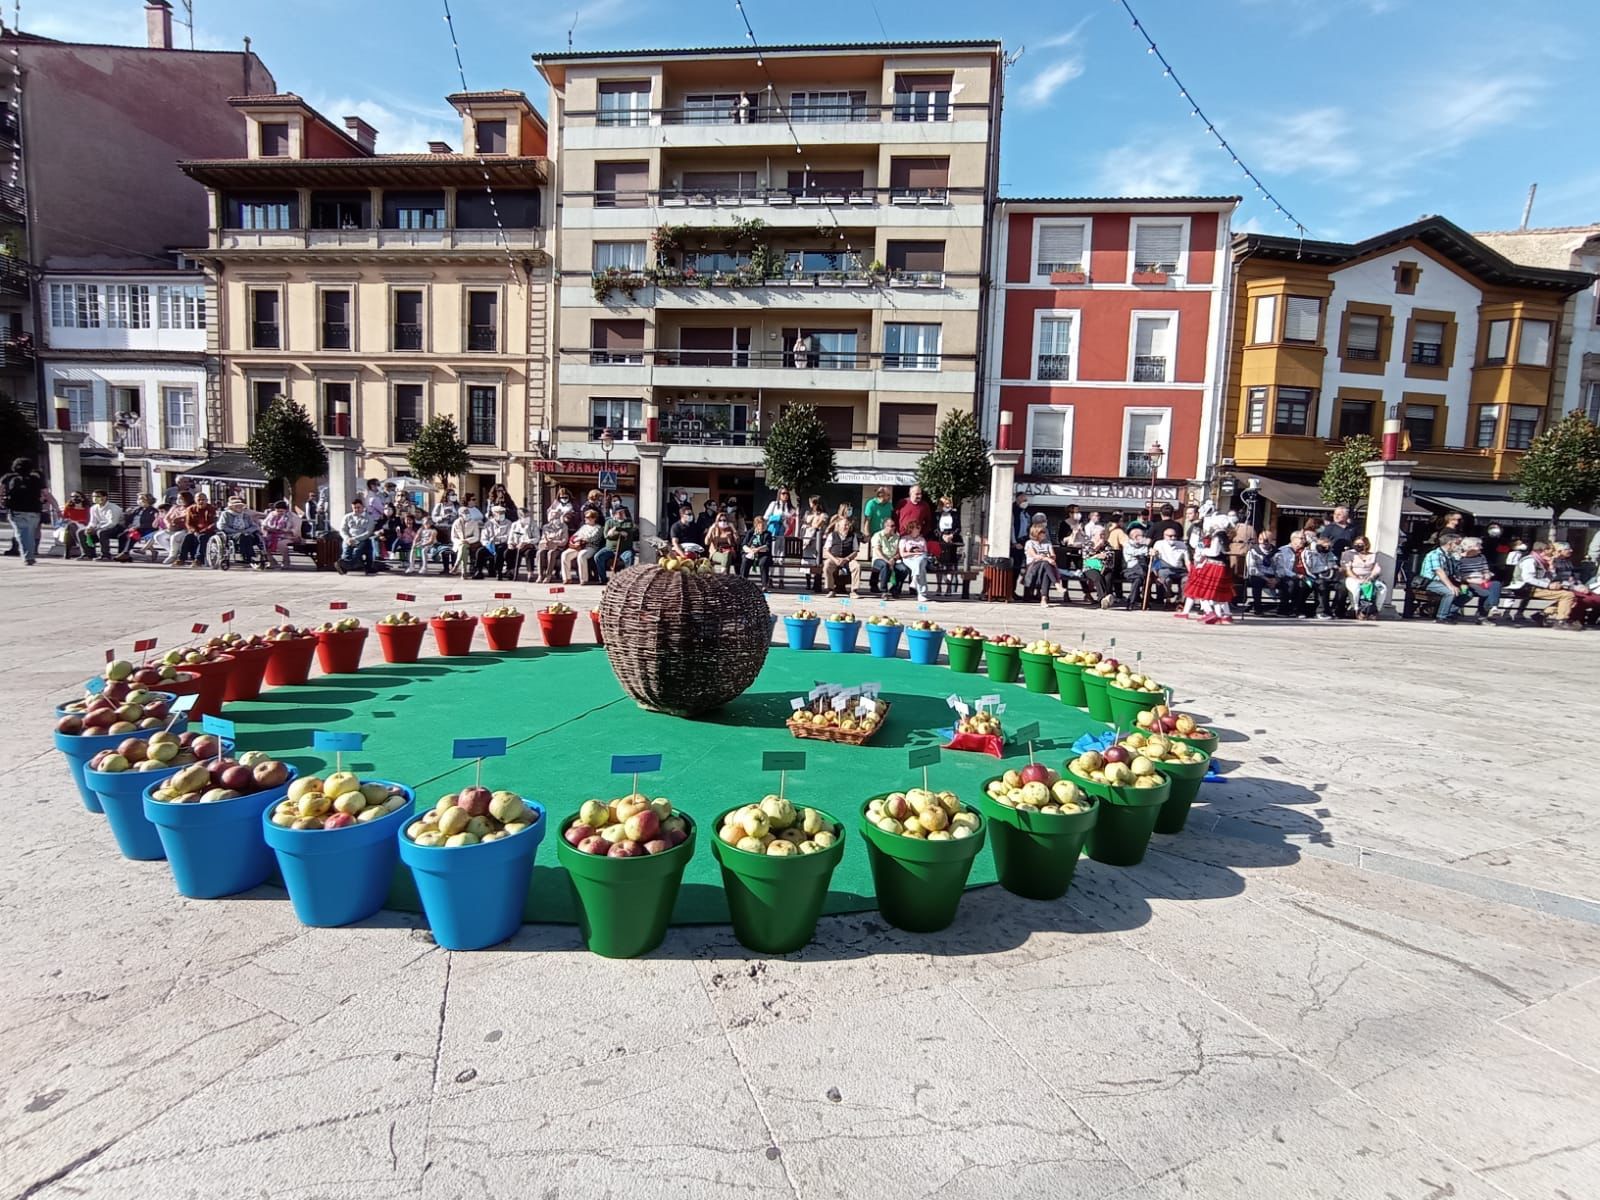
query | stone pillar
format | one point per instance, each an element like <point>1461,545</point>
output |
<point>1389,484</point>
<point>63,449</point>
<point>344,476</point>
<point>652,484</point>
<point>999,580</point>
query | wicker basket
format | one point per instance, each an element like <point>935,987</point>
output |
<point>681,642</point>
<point>845,737</point>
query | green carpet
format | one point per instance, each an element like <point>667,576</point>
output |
<point>564,716</point>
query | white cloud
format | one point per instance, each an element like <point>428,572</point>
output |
<point>550,23</point>
<point>1317,141</point>
<point>1150,167</point>
<point>401,127</point>
<point>1041,88</point>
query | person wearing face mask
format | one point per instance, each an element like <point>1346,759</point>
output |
<point>492,547</point>
<point>1136,571</point>
<point>444,512</point>
<point>1261,570</point>
<point>721,542</point>
<point>1294,579</point>
<point>466,535</point>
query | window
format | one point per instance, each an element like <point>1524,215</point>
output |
<point>336,320</point>
<point>341,210</point>
<point>509,208</point>
<point>1499,343</point>
<point>618,256</point>
<point>262,393</point>
<point>179,427</point>
<point>1420,420</point>
<point>1058,246</point>
<point>80,404</point>
<point>1355,418</point>
<point>711,108</point>
<point>907,426</point>
<point>1264,326</point>
<point>407,334</point>
<point>821,262</point>
<point>624,418</point>
<point>616,341</point>
<point>413,210</point>
<point>922,97</point>
<point>624,102</point>
<point>1143,431</point>
<point>335,404</point>
<point>264,212</point>
<point>827,106</point>
<point>1048,430</point>
<point>1157,246</point>
<point>1052,348</point>
<point>490,136</point>
<point>1361,335</point>
<point>1488,427</point>
<point>830,184</point>
<point>1152,349</point>
<point>181,306</point>
<point>621,184</point>
<point>1293,412</point>
<point>1524,423</point>
<point>407,412</point>
<point>911,347</point>
<point>264,334</point>
<point>916,179</point>
<point>833,349</point>
<point>482,410</point>
<point>1255,410</point>
<point>1406,275</point>
<point>714,185</point>
<point>915,262</point>
<point>127,306</point>
<point>1534,348</point>
<point>74,306</point>
<point>1301,317</point>
<point>274,139</point>
<point>1593,403</point>
<point>1427,343</point>
<point>483,321</point>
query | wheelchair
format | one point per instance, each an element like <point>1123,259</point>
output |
<point>221,550</point>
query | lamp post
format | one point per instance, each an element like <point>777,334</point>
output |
<point>607,444</point>
<point>1155,454</point>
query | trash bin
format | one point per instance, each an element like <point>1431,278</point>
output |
<point>999,580</point>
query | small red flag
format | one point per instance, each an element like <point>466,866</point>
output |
<point>407,596</point>
<point>338,606</point>
<point>111,656</point>
<point>144,644</point>
<point>456,596</point>
<point>199,627</point>
<point>280,610</point>
<point>227,617</point>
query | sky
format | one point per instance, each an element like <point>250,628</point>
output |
<point>1357,115</point>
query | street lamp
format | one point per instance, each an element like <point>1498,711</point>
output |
<point>1155,454</point>
<point>607,444</point>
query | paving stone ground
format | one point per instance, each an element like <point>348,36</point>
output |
<point>1370,970</point>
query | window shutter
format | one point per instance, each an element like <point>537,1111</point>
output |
<point>1150,336</point>
<point>1428,333</point>
<point>1157,247</point>
<point>1362,332</point>
<point>915,256</point>
<point>1300,318</point>
<point>1060,248</point>
<point>1049,429</point>
<point>919,172</point>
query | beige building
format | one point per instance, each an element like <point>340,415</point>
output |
<point>744,231</point>
<point>382,290</point>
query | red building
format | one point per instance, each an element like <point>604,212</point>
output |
<point>1106,341</point>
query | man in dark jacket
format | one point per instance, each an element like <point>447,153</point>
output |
<point>25,493</point>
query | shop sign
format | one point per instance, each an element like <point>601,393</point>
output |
<point>581,466</point>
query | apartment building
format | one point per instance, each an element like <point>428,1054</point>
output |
<point>382,290</point>
<point>744,230</point>
<point>1424,322</point>
<point>1106,352</point>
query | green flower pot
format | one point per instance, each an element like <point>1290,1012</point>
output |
<point>624,904</point>
<point>1127,819</point>
<point>775,902</point>
<point>964,654</point>
<point>1186,778</point>
<point>1095,696</point>
<point>918,882</point>
<point>1201,739</point>
<point>1038,673</point>
<point>1069,682</point>
<point>1127,705</point>
<point>1035,853</point>
<point>1004,662</point>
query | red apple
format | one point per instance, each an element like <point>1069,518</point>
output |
<point>186,738</point>
<point>133,749</point>
<point>576,835</point>
<point>238,778</point>
<point>474,801</point>
<point>626,849</point>
<point>642,826</point>
<point>676,836</point>
<point>1035,773</point>
<point>270,774</point>
<point>70,724</point>
<point>206,746</point>
<point>594,845</point>
<point>147,677</point>
<point>218,766</point>
<point>657,846</point>
<point>1116,754</point>
<point>337,820</point>
<point>157,708</point>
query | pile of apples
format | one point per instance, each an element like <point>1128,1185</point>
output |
<point>506,610</point>
<point>471,816</point>
<point>453,614</point>
<point>230,643</point>
<point>342,625</point>
<point>1159,748</point>
<point>287,633</point>
<point>776,828</point>
<point>920,813</point>
<point>926,626</point>
<point>966,632</point>
<point>179,660</point>
<point>1134,681</point>
<point>883,619</point>
<point>399,618</point>
<point>219,779</point>
<point>1106,668</point>
<point>844,616</point>
<point>804,614</point>
<point>335,802</point>
<point>982,722</point>
<point>122,707</point>
<point>159,751</point>
<point>557,609</point>
<point>1162,719</point>
<point>686,564</point>
<point>1037,788</point>
<point>1044,646</point>
<point>1082,658</point>
<point>627,827</point>
<point>1006,639</point>
<point>1116,766</point>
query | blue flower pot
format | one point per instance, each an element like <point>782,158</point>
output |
<point>842,636</point>
<point>923,645</point>
<point>79,749</point>
<point>216,850</point>
<point>337,876</point>
<point>473,896</point>
<point>121,796</point>
<point>883,640</point>
<point>802,633</point>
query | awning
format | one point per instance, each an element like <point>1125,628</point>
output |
<point>230,468</point>
<point>887,478</point>
<point>1305,500</point>
<point>1508,512</point>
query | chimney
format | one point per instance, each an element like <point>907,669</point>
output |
<point>158,24</point>
<point>365,135</point>
<point>439,148</point>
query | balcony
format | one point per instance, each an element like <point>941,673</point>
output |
<point>487,240</point>
<point>180,437</point>
<point>1054,367</point>
<point>784,197</point>
<point>16,353</point>
<point>9,133</point>
<point>1044,462</point>
<point>482,338</point>
<point>832,360</point>
<point>406,430</point>
<point>14,277</point>
<point>1150,368</point>
<point>264,335</point>
<point>1141,465</point>
<point>335,335</point>
<point>407,335</point>
<point>1427,354</point>
<point>13,203</point>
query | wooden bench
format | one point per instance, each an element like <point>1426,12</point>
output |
<point>322,551</point>
<point>1423,603</point>
<point>944,579</point>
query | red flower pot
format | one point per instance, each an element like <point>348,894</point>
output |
<point>289,665</point>
<point>213,685</point>
<point>503,633</point>
<point>186,684</point>
<point>453,637</point>
<point>401,643</point>
<point>339,651</point>
<point>556,628</point>
<point>249,669</point>
<point>594,619</point>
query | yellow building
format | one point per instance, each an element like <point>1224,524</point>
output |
<point>741,231</point>
<point>1425,323</point>
<point>382,290</point>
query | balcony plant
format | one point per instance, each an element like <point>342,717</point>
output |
<point>667,237</point>
<point>1150,276</point>
<point>876,270</point>
<point>615,279</point>
<point>1077,276</point>
<point>765,263</point>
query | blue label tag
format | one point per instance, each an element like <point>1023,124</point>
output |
<point>635,764</point>
<point>217,726</point>
<point>95,685</point>
<point>183,704</point>
<point>492,747</point>
<point>803,599</point>
<point>336,740</point>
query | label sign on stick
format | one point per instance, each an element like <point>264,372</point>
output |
<point>803,599</point>
<point>797,704</point>
<point>452,596</point>
<point>635,764</point>
<point>502,595</point>
<point>407,597</point>
<point>1027,733</point>
<point>183,704</point>
<point>337,739</point>
<point>143,645</point>
<point>199,627</point>
<point>280,610</point>
<point>1044,624</point>
<point>227,617</point>
<point>94,685</point>
<point>338,605</point>
<point>111,656</point>
<point>217,726</point>
<point>557,591</point>
<point>783,760</point>
<point>923,756</point>
<point>490,747</point>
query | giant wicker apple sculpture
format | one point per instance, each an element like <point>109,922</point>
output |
<point>684,641</point>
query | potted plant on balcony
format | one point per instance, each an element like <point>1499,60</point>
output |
<point>876,270</point>
<point>667,237</point>
<point>1150,276</point>
<point>1074,275</point>
<point>765,264</point>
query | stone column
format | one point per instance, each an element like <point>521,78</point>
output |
<point>344,476</point>
<point>651,491</point>
<point>998,578</point>
<point>63,449</point>
<point>1389,483</point>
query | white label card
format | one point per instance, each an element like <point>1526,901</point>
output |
<point>797,704</point>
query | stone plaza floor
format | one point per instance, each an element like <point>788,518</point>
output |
<point>1369,970</point>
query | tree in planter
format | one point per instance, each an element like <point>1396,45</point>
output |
<point>438,452</point>
<point>286,444</point>
<point>1345,480</point>
<point>19,438</point>
<point>958,464</point>
<point>1561,469</point>
<point>798,453</point>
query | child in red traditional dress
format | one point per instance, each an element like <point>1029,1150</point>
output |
<point>1210,583</point>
